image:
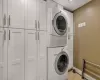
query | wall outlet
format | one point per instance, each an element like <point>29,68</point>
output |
<point>82,24</point>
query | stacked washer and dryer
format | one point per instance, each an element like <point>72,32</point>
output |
<point>58,23</point>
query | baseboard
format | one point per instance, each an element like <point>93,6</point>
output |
<point>85,75</point>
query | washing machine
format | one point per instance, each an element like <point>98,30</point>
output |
<point>58,61</point>
<point>57,25</point>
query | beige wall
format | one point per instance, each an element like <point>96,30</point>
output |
<point>87,39</point>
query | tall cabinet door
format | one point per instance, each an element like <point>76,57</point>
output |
<point>1,52</point>
<point>42,14</point>
<point>5,55</point>
<point>30,14</point>
<point>16,13</point>
<point>42,50</point>
<point>30,55</point>
<point>16,54</point>
<point>1,13</point>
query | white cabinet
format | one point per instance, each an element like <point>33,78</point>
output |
<point>42,50</point>
<point>16,13</point>
<point>30,55</point>
<point>12,13</point>
<point>35,14</point>
<point>30,14</point>
<point>16,54</point>
<point>3,54</point>
<point>5,15</point>
<point>1,13</point>
<point>42,14</point>
<point>15,62</point>
<point>35,55</point>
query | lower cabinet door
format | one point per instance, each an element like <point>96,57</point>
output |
<point>30,55</point>
<point>1,52</point>
<point>42,53</point>
<point>16,54</point>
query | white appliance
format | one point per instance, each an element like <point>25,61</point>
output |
<point>57,25</point>
<point>58,61</point>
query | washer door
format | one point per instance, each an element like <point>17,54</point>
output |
<point>61,63</point>
<point>60,23</point>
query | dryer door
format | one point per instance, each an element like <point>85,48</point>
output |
<point>61,63</point>
<point>60,23</point>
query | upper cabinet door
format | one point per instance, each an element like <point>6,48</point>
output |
<point>1,53</point>
<point>42,15</point>
<point>16,54</point>
<point>1,13</point>
<point>30,55</point>
<point>30,14</point>
<point>16,13</point>
<point>5,15</point>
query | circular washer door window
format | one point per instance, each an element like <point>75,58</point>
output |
<point>60,23</point>
<point>61,63</point>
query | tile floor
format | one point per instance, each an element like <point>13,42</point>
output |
<point>74,76</point>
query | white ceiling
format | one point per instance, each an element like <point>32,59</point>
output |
<point>73,4</point>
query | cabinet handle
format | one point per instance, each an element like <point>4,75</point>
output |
<point>35,35</point>
<point>4,35</point>
<point>4,20</point>
<point>9,20</point>
<point>45,0</point>
<point>9,34</point>
<point>38,25</point>
<point>38,36</point>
